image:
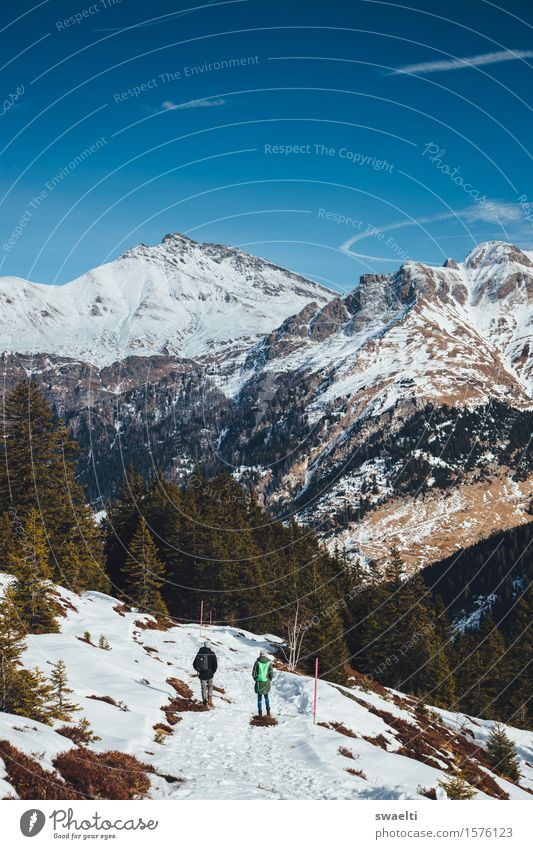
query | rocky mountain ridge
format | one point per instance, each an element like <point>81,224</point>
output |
<point>398,414</point>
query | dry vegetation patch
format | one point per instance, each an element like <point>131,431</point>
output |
<point>104,775</point>
<point>181,688</point>
<point>358,772</point>
<point>263,721</point>
<point>29,778</point>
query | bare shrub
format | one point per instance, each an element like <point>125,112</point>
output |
<point>346,753</point>
<point>358,772</point>
<point>80,733</point>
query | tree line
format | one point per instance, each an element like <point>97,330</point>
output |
<point>163,548</point>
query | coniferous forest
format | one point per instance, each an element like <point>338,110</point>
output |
<point>164,548</point>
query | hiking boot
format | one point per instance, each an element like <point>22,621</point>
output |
<point>210,702</point>
<point>204,702</point>
<point>259,713</point>
<point>268,711</point>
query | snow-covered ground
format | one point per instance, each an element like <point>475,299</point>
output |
<point>217,754</point>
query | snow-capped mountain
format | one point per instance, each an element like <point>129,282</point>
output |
<point>460,333</point>
<point>415,385</point>
<point>180,298</point>
<point>141,698</point>
<point>399,414</point>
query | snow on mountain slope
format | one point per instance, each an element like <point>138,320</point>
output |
<point>217,754</point>
<point>336,386</point>
<point>180,298</point>
<point>456,333</point>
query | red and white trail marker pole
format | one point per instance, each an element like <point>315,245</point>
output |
<point>316,690</point>
<point>201,616</point>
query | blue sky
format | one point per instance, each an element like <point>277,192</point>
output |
<point>335,138</point>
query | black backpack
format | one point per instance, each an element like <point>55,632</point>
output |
<point>202,662</point>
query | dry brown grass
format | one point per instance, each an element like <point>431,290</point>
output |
<point>358,772</point>
<point>263,721</point>
<point>162,623</point>
<point>160,726</point>
<point>339,727</point>
<point>181,688</point>
<point>428,792</point>
<point>430,742</point>
<point>30,780</point>
<point>346,753</point>
<point>104,775</point>
<point>410,524</point>
<point>109,700</point>
<point>378,740</point>
<point>367,684</point>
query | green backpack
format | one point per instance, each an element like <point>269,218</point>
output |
<point>263,667</point>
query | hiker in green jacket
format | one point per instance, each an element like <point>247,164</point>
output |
<point>262,674</point>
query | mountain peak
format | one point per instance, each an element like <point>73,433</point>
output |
<point>490,253</point>
<point>179,298</point>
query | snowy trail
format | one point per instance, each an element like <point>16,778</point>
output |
<point>217,754</point>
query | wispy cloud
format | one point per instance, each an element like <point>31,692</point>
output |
<point>464,62</point>
<point>495,212</point>
<point>203,103</point>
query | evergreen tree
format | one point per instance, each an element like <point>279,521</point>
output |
<point>60,705</point>
<point>31,591</point>
<point>516,684</point>
<point>22,692</point>
<point>457,787</point>
<point>481,670</point>
<point>144,572</point>
<point>37,704</point>
<point>11,648</point>
<point>502,753</point>
<point>442,690</point>
<point>121,523</point>
<point>7,541</point>
<point>394,571</point>
<point>325,635</point>
<point>38,472</point>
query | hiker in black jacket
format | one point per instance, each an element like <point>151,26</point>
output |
<point>206,665</point>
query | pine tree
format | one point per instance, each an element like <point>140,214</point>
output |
<point>22,692</point>
<point>481,670</point>
<point>457,787</point>
<point>38,704</point>
<point>394,570</point>
<point>38,472</point>
<point>11,647</point>
<point>502,753</point>
<point>60,705</point>
<point>120,524</point>
<point>7,541</point>
<point>516,705</point>
<point>31,590</point>
<point>144,572</point>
